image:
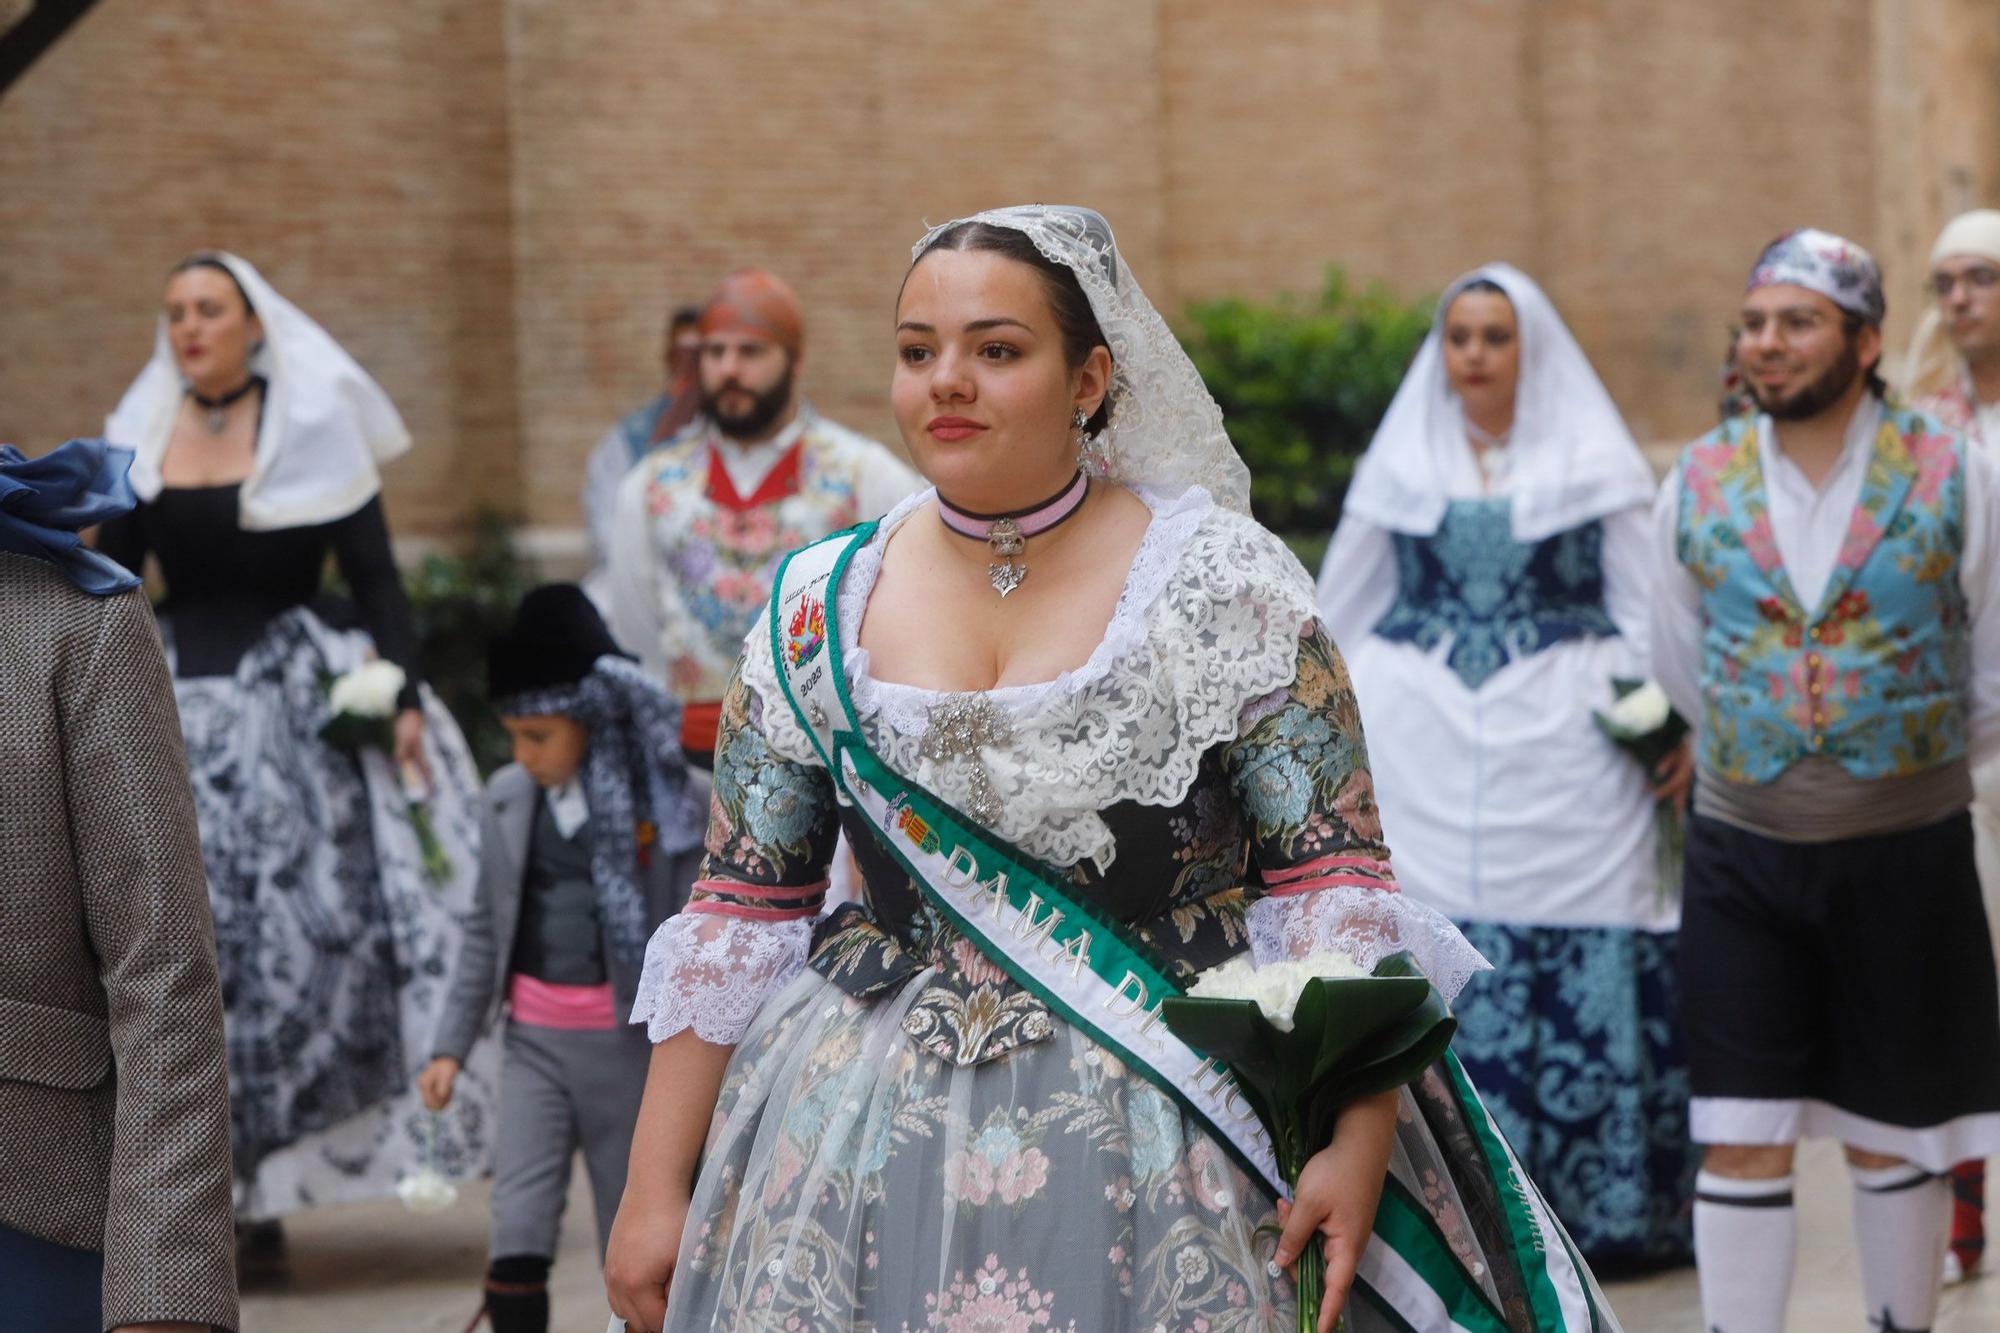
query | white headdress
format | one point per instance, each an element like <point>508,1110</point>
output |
<point>1571,457</point>
<point>1933,362</point>
<point>1165,430</point>
<point>326,424</point>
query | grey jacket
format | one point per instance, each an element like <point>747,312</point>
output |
<point>114,1098</point>
<point>479,979</point>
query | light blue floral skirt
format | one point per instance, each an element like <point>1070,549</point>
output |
<point>855,1180</point>
<point>1573,1040</point>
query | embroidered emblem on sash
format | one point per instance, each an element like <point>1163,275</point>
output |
<point>913,826</point>
<point>806,635</point>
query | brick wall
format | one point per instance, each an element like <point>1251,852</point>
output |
<point>493,202</point>
<point>361,166</point>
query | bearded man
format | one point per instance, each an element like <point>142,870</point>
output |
<point>702,522</point>
<point>1828,613</point>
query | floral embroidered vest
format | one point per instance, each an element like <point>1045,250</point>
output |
<point>1957,409</point>
<point>1875,677</point>
<point>718,550</point>
<point>1495,599</point>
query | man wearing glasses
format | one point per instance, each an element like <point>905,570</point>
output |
<point>1829,615</point>
<point>1953,373</point>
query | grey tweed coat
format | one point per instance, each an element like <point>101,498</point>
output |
<point>114,1101</point>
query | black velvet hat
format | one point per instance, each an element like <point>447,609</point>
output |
<point>555,639</point>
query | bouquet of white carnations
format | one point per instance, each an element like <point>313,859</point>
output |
<point>1643,723</point>
<point>427,1189</point>
<point>363,704</point>
<point>1304,1039</point>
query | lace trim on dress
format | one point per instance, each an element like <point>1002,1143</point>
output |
<point>907,707</point>
<point>1208,623</point>
<point>1367,924</point>
<point>713,973</point>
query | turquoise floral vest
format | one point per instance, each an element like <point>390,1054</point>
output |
<point>1874,677</point>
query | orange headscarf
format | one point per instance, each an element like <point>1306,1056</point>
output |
<point>750,300</point>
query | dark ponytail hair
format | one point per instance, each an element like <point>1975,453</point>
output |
<point>1076,321</point>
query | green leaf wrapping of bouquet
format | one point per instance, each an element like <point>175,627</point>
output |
<point>1236,1033</point>
<point>346,731</point>
<point>1649,747</point>
<point>1351,1037</point>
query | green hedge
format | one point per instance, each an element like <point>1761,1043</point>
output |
<point>1302,382</point>
<point>461,602</point>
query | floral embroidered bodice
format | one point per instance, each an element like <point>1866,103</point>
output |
<point>720,550</point>
<point>1494,599</point>
<point>1874,677</point>
<point>1202,778</point>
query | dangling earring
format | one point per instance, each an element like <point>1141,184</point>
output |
<point>1082,424</point>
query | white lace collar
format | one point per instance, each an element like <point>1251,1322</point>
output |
<point>1208,623</point>
<point>907,707</point>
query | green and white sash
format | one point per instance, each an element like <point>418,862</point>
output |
<point>1081,965</point>
<point>1101,979</point>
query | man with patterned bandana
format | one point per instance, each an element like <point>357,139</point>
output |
<point>702,522</point>
<point>1829,612</point>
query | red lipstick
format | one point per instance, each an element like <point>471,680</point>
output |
<point>953,428</point>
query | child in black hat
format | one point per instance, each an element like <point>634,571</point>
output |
<point>588,841</point>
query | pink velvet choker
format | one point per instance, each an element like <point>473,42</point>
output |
<point>1007,534</point>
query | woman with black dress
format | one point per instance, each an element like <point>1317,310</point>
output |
<point>257,442</point>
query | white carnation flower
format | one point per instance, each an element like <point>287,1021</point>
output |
<point>1642,711</point>
<point>369,690</point>
<point>1275,987</point>
<point>426,1190</point>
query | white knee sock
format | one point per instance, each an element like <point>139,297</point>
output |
<point>1900,1226</point>
<point>1745,1237</point>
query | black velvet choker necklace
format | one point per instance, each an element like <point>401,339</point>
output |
<point>1007,534</point>
<point>217,408</point>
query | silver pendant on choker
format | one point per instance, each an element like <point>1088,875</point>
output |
<point>1006,535</point>
<point>1004,539</point>
<point>217,409</point>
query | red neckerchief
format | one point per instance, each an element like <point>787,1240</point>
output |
<point>781,481</point>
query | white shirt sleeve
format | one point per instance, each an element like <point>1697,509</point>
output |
<point>885,479</point>
<point>1357,581</point>
<point>1628,577</point>
<point>634,576</point>
<point>1976,579</point>
<point>1674,638</point>
<point>602,472</point>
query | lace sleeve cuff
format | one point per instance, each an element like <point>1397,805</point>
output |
<point>1368,924</point>
<point>712,971</point>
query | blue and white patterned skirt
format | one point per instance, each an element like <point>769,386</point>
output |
<point>1574,1042</point>
<point>335,947</point>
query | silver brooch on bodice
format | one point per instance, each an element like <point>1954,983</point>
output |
<point>960,727</point>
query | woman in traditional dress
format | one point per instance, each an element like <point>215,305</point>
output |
<point>1077,664</point>
<point>1487,583</point>
<point>258,440</point>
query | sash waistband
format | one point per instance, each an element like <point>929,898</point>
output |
<point>1816,800</point>
<point>699,723</point>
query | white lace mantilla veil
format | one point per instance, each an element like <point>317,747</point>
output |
<point>1165,429</point>
<point>327,424</point>
<point>1572,457</point>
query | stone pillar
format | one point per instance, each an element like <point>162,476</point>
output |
<point>1936,90</point>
